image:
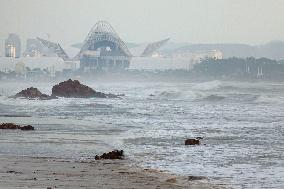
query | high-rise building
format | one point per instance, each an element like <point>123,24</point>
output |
<point>13,46</point>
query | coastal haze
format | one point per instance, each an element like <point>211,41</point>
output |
<point>219,21</point>
<point>162,72</point>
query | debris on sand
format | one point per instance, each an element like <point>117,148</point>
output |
<point>115,154</point>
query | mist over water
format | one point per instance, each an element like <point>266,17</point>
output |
<point>242,125</point>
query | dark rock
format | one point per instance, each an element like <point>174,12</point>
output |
<point>14,126</point>
<point>27,128</point>
<point>193,178</point>
<point>9,126</point>
<point>192,141</point>
<point>116,154</point>
<point>15,172</point>
<point>32,93</point>
<point>74,89</point>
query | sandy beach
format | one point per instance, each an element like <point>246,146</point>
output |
<point>30,172</point>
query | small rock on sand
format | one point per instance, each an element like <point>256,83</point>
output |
<point>116,154</point>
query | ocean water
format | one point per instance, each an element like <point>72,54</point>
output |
<point>242,125</point>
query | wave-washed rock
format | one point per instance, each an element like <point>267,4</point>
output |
<point>115,154</point>
<point>33,93</point>
<point>74,89</point>
<point>15,126</point>
<point>192,141</point>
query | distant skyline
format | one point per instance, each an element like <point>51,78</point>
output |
<point>192,21</point>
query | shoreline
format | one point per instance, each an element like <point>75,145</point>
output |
<point>41,172</point>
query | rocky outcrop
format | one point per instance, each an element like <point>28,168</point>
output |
<point>116,154</point>
<point>192,141</point>
<point>14,126</point>
<point>32,93</point>
<point>68,89</point>
<point>74,89</point>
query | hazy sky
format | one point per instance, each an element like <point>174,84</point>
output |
<point>194,21</point>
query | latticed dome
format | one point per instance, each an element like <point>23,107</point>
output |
<point>103,33</point>
<point>103,27</point>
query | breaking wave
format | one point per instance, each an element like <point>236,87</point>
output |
<point>212,97</point>
<point>269,99</point>
<point>170,94</point>
<point>211,85</point>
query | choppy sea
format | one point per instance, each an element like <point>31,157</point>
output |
<point>242,125</point>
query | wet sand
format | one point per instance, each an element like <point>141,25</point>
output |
<point>28,172</point>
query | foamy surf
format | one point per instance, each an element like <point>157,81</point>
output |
<point>241,124</point>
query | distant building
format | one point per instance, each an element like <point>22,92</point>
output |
<point>13,46</point>
<point>20,65</point>
<point>179,60</point>
<point>198,56</point>
<point>20,68</point>
<point>103,50</point>
<point>151,48</point>
<point>90,61</point>
<point>33,48</point>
